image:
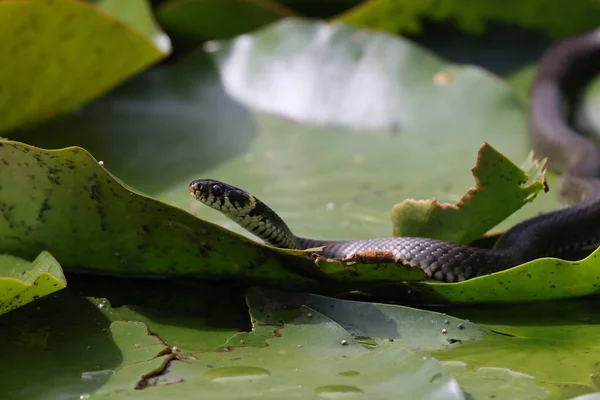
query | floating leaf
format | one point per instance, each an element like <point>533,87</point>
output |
<point>541,350</point>
<point>22,281</point>
<point>541,279</point>
<point>205,19</point>
<point>303,355</point>
<point>63,201</point>
<point>500,189</point>
<point>84,53</point>
<point>472,16</point>
<point>417,330</point>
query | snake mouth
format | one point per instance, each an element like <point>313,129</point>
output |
<point>195,191</point>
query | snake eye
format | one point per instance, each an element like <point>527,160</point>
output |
<point>217,190</point>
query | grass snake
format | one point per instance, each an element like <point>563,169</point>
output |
<point>563,70</point>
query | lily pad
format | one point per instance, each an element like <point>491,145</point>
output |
<point>292,77</point>
<point>191,129</point>
<point>500,189</point>
<point>541,279</point>
<point>302,355</point>
<point>414,329</point>
<point>205,19</point>
<point>472,17</point>
<point>441,336</point>
<point>394,130</point>
<point>70,339</point>
<point>77,202</point>
<point>22,281</point>
<point>548,345</point>
<point>184,331</point>
<point>92,49</point>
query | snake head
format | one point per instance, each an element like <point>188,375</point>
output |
<point>222,196</point>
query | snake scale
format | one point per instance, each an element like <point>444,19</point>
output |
<point>562,71</point>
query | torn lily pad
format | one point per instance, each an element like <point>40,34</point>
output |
<point>501,188</point>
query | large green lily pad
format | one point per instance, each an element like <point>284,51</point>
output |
<point>538,351</point>
<point>77,202</point>
<point>379,324</point>
<point>302,352</point>
<point>90,356</point>
<point>187,137</point>
<point>94,50</point>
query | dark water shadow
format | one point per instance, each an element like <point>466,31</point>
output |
<point>501,49</point>
<point>221,303</point>
<point>171,121</point>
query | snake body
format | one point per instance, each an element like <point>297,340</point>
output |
<point>552,234</point>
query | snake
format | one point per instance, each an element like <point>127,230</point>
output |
<point>573,227</point>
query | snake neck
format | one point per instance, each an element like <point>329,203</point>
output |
<point>264,223</point>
